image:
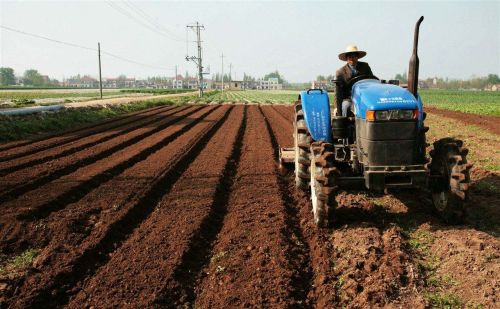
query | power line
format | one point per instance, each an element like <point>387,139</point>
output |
<point>125,12</point>
<point>48,39</point>
<point>84,47</point>
<point>146,16</point>
<point>135,62</point>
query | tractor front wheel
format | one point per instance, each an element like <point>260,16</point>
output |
<point>323,183</point>
<point>450,179</point>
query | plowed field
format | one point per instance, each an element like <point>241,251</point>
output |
<point>181,207</point>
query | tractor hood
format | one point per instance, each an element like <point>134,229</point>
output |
<point>370,94</point>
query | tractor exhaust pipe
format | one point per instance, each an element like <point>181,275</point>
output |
<point>413,69</point>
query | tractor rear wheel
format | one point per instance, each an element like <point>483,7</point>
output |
<point>323,183</point>
<point>302,142</point>
<point>450,179</point>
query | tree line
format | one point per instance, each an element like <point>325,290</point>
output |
<point>33,78</point>
<point>442,82</point>
<point>248,78</point>
<point>481,82</point>
<point>30,77</point>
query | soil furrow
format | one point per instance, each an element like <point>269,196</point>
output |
<point>284,112</point>
<point>9,145</point>
<point>251,265</point>
<point>299,254</point>
<point>338,276</point>
<point>62,268</point>
<point>186,275</point>
<point>20,183</point>
<point>83,143</point>
<point>60,139</point>
<point>56,195</point>
<point>317,240</point>
<point>183,221</point>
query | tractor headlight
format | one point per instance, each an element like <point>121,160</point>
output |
<point>395,114</point>
<point>382,115</point>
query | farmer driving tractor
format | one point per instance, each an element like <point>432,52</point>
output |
<point>352,69</point>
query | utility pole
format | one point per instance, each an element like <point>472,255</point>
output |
<point>175,87</point>
<point>230,76</point>
<point>197,60</point>
<point>222,75</point>
<point>99,56</point>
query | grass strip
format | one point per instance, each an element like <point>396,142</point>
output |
<point>22,126</point>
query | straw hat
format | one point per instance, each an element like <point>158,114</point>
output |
<point>351,49</point>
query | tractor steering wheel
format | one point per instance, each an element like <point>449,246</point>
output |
<point>356,79</point>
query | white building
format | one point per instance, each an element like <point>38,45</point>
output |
<point>269,84</point>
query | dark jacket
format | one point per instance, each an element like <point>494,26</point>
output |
<point>344,74</point>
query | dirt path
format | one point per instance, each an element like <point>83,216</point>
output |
<point>186,207</point>
<point>125,100</point>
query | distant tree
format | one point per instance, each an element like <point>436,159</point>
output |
<point>7,77</point>
<point>31,77</point>
<point>186,76</point>
<point>248,78</point>
<point>320,78</point>
<point>402,77</point>
<point>493,79</point>
<point>55,82</point>
<point>277,75</point>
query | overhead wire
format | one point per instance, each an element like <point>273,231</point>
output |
<point>46,38</point>
<point>125,12</point>
<point>150,19</point>
<point>83,47</point>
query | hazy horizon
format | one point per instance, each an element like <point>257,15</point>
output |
<point>301,40</point>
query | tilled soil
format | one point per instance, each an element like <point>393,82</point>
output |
<point>187,207</point>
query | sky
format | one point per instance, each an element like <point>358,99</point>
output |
<point>300,39</point>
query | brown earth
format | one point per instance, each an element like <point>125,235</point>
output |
<point>491,123</point>
<point>187,207</point>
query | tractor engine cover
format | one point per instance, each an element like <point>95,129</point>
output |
<point>370,94</point>
<point>385,142</point>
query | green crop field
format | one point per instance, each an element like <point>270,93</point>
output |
<point>475,102</point>
<point>252,96</point>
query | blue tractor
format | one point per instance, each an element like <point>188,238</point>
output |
<point>382,145</point>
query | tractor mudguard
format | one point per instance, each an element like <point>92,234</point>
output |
<point>420,112</point>
<point>316,107</point>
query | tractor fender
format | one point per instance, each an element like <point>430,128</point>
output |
<point>420,112</point>
<point>316,107</point>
